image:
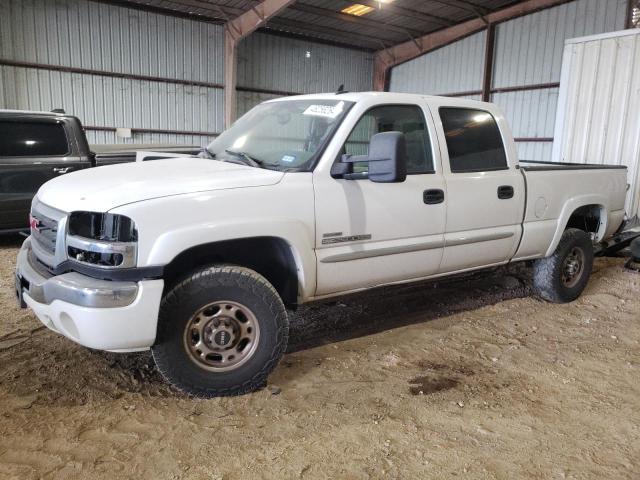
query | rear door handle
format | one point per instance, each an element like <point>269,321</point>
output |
<point>433,196</point>
<point>505,192</point>
<point>61,170</point>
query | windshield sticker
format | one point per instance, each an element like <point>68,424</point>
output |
<point>328,111</point>
<point>289,158</point>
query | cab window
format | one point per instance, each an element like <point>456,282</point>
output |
<point>407,119</point>
<point>473,140</point>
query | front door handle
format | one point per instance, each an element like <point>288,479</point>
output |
<point>433,196</point>
<point>505,192</point>
<point>61,170</point>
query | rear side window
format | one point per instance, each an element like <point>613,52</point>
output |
<point>473,140</point>
<point>32,139</point>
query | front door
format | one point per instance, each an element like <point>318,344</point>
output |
<point>369,233</point>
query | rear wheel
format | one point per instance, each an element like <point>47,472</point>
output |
<point>562,277</point>
<point>220,332</point>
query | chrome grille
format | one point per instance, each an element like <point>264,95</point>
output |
<point>44,231</point>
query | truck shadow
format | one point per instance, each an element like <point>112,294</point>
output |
<point>13,240</point>
<point>50,370</point>
<point>385,308</point>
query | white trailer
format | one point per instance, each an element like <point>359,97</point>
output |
<point>598,115</point>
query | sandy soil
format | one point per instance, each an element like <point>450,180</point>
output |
<point>473,378</point>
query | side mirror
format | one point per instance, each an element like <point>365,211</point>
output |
<point>387,158</point>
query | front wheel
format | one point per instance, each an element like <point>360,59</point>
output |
<point>220,332</point>
<point>562,277</point>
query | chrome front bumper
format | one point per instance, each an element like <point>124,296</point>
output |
<point>74,288</point>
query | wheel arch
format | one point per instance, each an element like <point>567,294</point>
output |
<point>272,257</point>
<point>587,213</point>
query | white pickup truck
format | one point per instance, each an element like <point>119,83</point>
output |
<point>303,198</point>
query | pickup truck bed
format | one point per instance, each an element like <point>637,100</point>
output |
<point>554,194</point>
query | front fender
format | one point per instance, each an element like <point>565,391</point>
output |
<point>172,243</point>
<point>168,226</point>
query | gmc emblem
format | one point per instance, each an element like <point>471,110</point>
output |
<point>34,223</point>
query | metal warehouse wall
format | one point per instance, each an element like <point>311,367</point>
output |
<point>528,53</point>
<point>451,69</point>
<point>159,75</point>
<point>77,46</point>
<point>275,65</point>
<point>598,120</point>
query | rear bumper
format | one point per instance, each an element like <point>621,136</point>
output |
<point>101,314</point>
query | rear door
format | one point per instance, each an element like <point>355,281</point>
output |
<point>485,192</point>
<point>33,150</point>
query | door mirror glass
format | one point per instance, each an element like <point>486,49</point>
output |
<point>387,158</point>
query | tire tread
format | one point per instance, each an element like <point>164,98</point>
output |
<point>203,280</point>
<point>546,271</point>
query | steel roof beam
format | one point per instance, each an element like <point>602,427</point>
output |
<point>386,59</point>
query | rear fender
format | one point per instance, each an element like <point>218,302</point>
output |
<point>570,207</point>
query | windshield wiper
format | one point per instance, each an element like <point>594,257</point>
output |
<point>248,159</point>
<point>251,160</point>
<point>205,153</point>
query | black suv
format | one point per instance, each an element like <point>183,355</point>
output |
<point>38,146</point>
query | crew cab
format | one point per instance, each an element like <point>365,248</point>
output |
<point>303,198</point>
<point>36,147</point>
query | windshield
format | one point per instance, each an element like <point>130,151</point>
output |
<point>283,135</point>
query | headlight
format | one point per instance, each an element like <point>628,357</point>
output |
<point>102,239</point>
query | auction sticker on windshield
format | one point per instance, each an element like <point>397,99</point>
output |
<point>329,111</point>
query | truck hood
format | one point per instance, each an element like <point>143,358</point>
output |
<point>103,188</point>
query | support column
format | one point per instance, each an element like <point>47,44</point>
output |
<point>628,23</point>
<point>234,31</point>
<point>487,76</point>
<point>230,76</point>
<point>380,73</point>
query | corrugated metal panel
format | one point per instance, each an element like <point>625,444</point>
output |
<point>279,63</point>
<point>454,68</point>
<point>82,34</point>
<point>247,100</point>
<point>598,117</point>
<point>539,151</point>
<point>114,102</point>
<point>531,113</point>
<point>529,49</point>
<point>95,36</point>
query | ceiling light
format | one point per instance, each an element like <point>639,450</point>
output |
<point>357,9</point>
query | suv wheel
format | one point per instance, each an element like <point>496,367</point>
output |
<point>221,332</point>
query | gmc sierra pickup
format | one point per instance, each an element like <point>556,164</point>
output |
<point>303,198</point>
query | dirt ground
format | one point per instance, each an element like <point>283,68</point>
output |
<point>470,379</point>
